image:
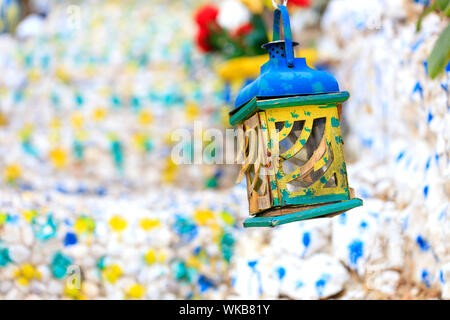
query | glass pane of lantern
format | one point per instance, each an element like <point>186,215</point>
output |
<point>317,133</point>
<point>288,142</point>
<point>332,182</point>
<point>305,154</point>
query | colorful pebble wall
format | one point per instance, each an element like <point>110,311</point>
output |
<point>88,107</point>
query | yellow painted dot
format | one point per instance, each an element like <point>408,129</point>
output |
<point>80,226</point>
<point>117,223</point>
<point>150,256</point>
<point>99,114</point>
<point>58,157</point>
<point>3,218</point>
<point>26,132</point>
<point>145,118</point>
<point>139,140</point>
<point>192,111</point>
<point>28,271</point>
<point>17,273</point>
<point>147,224</point>
<point>12,172</point>
<point>84,225</point>
<point>136,291</point>
<point>34,75</point>
<point>29,215</point>
<point>169,138</point>
<point>170,172</point>
<point>203,217</point>
<point>227,218</point>
<point>77,120</point>
<point>112,273</point>
<point>62,74</point>
<point>23,281</point>
<point>193,262</point>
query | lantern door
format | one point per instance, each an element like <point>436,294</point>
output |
<point>310,168</point>
<point>253,153</point>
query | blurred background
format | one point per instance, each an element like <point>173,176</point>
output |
<point>93,207</point>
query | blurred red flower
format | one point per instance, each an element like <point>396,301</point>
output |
<point>206,19</point>
<point>205,15</point>
<point>203,40</point>
<point>300,3</point>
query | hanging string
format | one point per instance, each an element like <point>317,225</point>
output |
<point>276,4</point>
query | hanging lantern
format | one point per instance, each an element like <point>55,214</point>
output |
<point>10,15</point>
<point>291,145</point>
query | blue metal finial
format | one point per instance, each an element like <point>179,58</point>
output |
<point>281,12</point>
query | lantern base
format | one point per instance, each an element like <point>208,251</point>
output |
<point>328,210</point>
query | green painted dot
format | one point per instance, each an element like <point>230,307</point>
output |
<point>101,263</point>
<point>335,122</point>
<point>4,257</point>
<point>273,185</point>
<point>59,265</point>
<point>211,183</point>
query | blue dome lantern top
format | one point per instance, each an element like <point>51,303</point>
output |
<point>291,145</point>
<point>284,75</point>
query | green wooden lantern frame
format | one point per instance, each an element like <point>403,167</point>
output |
<point>271,202</point>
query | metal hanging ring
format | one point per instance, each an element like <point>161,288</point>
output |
<point>275,4</point>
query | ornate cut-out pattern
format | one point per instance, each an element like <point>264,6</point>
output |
<point>310,146</point>
<point>253,149</point>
